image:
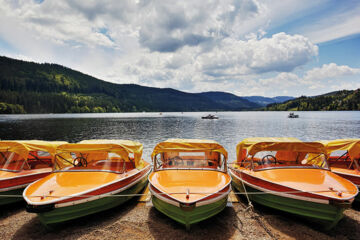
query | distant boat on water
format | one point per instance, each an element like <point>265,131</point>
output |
<point>210,116</point>
<point>293,115</point>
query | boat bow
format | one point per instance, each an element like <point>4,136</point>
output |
<point>189,186</point>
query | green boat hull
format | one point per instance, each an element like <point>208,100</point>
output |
<point>189,216</point>
<point>325,214</point>
<point>63,214</point>
<point>8,200</point>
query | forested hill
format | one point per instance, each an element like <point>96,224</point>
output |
<point>27,87</point>
<point>339,100</point>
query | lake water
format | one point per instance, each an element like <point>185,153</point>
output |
<point>151,128</point>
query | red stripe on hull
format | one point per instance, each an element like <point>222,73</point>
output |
<point>273,186</point>
<point>24,179</point>
<point>111,187</point>
<point>227,188</point>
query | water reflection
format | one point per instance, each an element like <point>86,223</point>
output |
<point>151,128</point>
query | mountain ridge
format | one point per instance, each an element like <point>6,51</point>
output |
<point>28,87</point>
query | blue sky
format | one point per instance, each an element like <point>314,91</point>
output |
<point>247,47</point>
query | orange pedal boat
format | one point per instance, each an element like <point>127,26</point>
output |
<point>344,159</point>
<point>89,177</point>
<point>190,182</point>
<point>21,163</point>
<point>292,176</point>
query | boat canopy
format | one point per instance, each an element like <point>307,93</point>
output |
<point>250,146</point>
<point>97,149</point>
<point>188,145</point>
<point>23,147</point>
<point>352,146</point>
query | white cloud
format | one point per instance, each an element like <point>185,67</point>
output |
<point>328,77</point>
<point>188,45</point>
<point>328,71</point>
<point>283,80</point>
<point>281,52</point>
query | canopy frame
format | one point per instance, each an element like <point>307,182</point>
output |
<point>121,147</point>
<point>352,147</point>
<point>24,148</point>
<point>255,145</point>
<point>189,145</point>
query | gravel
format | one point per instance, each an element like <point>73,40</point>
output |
<point>135,220</point>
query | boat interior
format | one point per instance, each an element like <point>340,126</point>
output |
<point>341,159</point>
<point>93,161</point>
<point>13,162</point>
<point>264,160</point>
<point>190,160</point>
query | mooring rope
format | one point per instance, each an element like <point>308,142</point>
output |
<point>246,193</point>
<point>250,206</point>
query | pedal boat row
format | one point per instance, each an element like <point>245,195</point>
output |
<point>190,181</point>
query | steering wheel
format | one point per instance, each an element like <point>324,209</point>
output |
<point>266,159</point>
<point>80,162</point>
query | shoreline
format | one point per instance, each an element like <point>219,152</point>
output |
<point>139,220</point>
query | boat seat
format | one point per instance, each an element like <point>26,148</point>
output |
<point>41,165</point>
<point>109,165</point>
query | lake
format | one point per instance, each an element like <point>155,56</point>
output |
<point>151,128</point>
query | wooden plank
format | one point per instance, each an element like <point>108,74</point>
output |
<point>147,195</point>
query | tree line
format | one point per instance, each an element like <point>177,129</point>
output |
<point>335,101</point>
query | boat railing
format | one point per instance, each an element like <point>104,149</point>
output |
<point>87,170</point>
<point>206,169</point>
<point>190,162</point>
<point>269,167</point>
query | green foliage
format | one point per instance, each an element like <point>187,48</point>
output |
<point>51,88</point>
<point>335,101</point>
<point>6,108</point>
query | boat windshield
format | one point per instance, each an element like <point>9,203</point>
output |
<point>93,161</point>
<point>190,160</point>
<point>13,162</point>
<point>285,159</point>
<point>342,159</point>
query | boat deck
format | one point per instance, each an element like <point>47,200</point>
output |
<point>190,185</point>
<point>62,184</point>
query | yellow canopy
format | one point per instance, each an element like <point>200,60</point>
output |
<point>188,145</point>
<point>23,147</point>
<point>254,145</point>
<point>120,147</point>
<point>351,145</point>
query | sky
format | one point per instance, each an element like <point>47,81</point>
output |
<point>246,47</point>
